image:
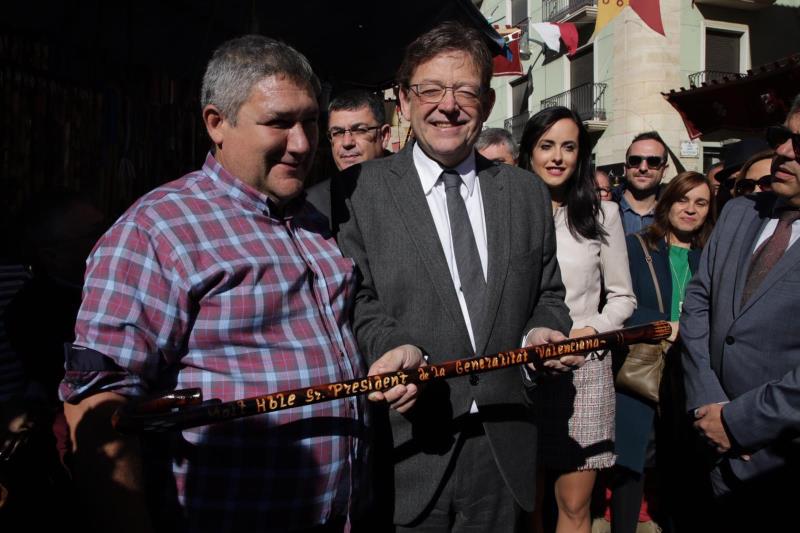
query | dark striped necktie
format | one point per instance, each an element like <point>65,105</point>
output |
<point>468,260</point>
<point>769,253</point>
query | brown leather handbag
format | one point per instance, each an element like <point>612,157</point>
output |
<point>642,369</point>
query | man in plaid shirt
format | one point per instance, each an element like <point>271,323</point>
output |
<point>227,280</point>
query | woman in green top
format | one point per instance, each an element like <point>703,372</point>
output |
<point>681,226</point>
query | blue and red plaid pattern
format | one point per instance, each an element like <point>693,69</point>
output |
<point>199,285</point>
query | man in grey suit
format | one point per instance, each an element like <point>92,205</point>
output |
<point>742,347</point>
<point>457,257</point>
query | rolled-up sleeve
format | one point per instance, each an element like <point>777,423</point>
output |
<point>132,319</point>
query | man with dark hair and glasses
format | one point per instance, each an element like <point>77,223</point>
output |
<point>358,132</point>
<point>645,163</point>
<point>741,351</point>
<point>357,128</point>
<point>457,257</point>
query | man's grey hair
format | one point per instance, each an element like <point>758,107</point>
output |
<point>356,99</point>
<point>491,136</point>
<point>238,64</point>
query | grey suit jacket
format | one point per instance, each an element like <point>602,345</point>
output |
<point>407,297</point>
<point>746,354</point>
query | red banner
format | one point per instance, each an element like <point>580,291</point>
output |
<point>504,67</point>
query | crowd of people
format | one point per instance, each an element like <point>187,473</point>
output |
<point>237,280</point>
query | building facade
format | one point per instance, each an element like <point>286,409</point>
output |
<point>616,78</point>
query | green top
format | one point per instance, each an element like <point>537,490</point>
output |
<point>679,266</point>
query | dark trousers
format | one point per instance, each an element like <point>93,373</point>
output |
<point>473,496</point>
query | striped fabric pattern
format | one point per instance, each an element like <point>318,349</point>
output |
<point>199,284</point>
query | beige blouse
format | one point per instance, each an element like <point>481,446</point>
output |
<point>589,267</point>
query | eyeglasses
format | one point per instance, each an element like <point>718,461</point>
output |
<point>747,186</point>
<point>433,93</point>
<point>359,132</point>
<point>777,135</point>
<point>653,161</point>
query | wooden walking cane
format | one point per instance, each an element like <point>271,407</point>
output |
<point>184,409</point>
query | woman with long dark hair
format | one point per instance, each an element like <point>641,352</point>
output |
<point>682,224</point>
<point>576,411</point>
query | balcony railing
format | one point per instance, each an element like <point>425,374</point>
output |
<point>516,124</point>
<point>588,100</point>
<point>555,10</point>
<point>749,5</point>
<point>705,76</point>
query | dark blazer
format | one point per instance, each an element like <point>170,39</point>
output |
<point>748,355</point>
<point>320,196</point>
<point>407,297</point>
<point>634,416</point>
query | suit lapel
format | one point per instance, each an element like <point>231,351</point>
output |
<point>409,198</point>
<point>496,214</point>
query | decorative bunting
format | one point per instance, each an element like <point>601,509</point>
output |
<point>502,66</point>
<point>606,11</point>
<point>553,33</point>
<point>648,10</point>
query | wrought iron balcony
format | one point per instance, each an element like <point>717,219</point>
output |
<point>749,5</point>
<point>556,10</point>
<point>588,100</point>
<point>516,124</point>
<point>705,76</point>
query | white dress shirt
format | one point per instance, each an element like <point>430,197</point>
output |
<point>770,228</point>
<point>430,176</point>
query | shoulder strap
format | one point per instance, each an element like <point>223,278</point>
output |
<point>649,259</point>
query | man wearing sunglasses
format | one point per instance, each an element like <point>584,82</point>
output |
<point>358,132</point>
<point>742,350</point>
<point>645,163</point>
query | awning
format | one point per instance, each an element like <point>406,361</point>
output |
<point>759,99</point>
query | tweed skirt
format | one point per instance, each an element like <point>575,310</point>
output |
<point>575,412</point>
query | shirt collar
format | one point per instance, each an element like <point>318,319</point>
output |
<point>245,195</point>
<point>430,171</point>
<point>623,203</point>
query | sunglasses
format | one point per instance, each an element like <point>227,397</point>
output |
<point>653,161</point>
<point>745,186</point>
<point>777,135</point>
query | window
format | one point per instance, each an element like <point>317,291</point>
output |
<point>723,50</point>
<point>581,67</point>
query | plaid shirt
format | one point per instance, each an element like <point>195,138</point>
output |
<point>199,285</point>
